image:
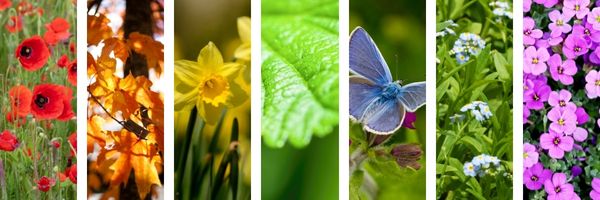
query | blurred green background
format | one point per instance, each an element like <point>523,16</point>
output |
<point>398,29</point>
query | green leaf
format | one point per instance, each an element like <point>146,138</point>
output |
<point>299,70</point>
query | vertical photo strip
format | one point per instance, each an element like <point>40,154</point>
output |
<point>560,85</point>
<point>38,78</point>
<point>387,99</point>
<point>300,104</point>
<point>125,92</point>
<point>474,129</point>
<point>212,99</point>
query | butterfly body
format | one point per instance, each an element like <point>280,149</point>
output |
<point>376,101</point>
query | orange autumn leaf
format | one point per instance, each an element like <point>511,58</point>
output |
<point>91,64</point>
<point>151,49</point>
<point>116,46</point>
<point>136,155</point>
<point>98,29</point>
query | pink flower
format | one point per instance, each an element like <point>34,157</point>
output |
<point>594,18</point>
<point>595,193</point>
<point>546,3</point>
<point>556,144</point>
<point>592,87</point>
<point>530,33</point>
<point>530,155</point>
<point>561,99</point>
<point>563,120</point>
<point>574,46</point>
<point>557,188</point>
<point>580,134</point>
<point>577,8</point>
<point>560,23</point>
<point>535,60</point>
<point>562,71</point>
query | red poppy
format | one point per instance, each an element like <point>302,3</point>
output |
<point>67,112</point>
<point>8,141</point>
<point>13,118</point>
<point>72,47</point>
<point>73,140</point>
<point>14,24</point>
<point>33,53</point>
<point>48,101</point>
<point>24,8</point>
<point>72,73</point>
<point>45,183</point>
<point>61,176</point>
<point>57,30</point>
<point>20,100</point>
<point>72,173</point>
<point>63,61</point>
<point>4,4</point>
<point>56,143</point>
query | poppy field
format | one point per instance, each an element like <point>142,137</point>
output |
<point>125,140</point>
<point>38,76</point>
<point>474,94</point>
<point>561,85</point>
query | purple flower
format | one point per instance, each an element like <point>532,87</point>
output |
<point>595,193</point>
<point>556,144</point>
<point>409,120</point>
<point>526,5</point>
<point>580,134</point>
<point>561,99</point>
<point>535,100</point>
<point>563,120</point>
<point>526,113</point>
<point>594,18</point>
<point>592,87</point>
<point>562,71</point>
<point>587,32</point>
<point>576,8</point>
<point>535,60</point>
<point>560,23</point>
<point>574,46</point>
<point>576,171</point>
<point>530,33</point>
<point>582,116</point>
<point>534,177</point>
<point>530,155</point>
<point>557,188</point>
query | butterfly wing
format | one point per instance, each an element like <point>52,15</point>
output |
<point>384,117</point>
<point>413,96</point>
<point>366,60</point>
<point>362,94</point>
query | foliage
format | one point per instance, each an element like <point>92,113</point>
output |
<point>125,120</point>
<point>299,70</point>
<point>464,92</point>
<point>37,148</point>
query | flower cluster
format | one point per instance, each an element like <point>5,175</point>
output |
<point>501,10</point>
<point>467,45</point>
<point>479,109</point>
<point>560,83</point>
<point>482,165</point>
<point>447,30</point>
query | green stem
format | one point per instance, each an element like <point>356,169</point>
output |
<point>446,159</point>
<point>182,159</point>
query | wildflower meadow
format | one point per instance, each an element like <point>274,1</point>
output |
<point>561,84</point>
<point>38,76</point>
<point>474,99</point>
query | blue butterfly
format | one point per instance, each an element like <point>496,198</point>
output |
<point>376,101</point>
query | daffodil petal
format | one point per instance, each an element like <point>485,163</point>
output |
<point>210,57</point>
<point>243,52</point>
<point>239,95</point>
<point>185,101</point>
<point>230,69</point>
<point>243,25</point>
<point>188,72</point>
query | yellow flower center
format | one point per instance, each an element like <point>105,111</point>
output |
<point>535,61</point>
<point>561,122</point>
<point>577,8</point>
<point>214,90</point>
<point>598,19</point>
<point>470,167</point>
<point>525,155</point>
<point>559,22</point>
<point>597,82</point>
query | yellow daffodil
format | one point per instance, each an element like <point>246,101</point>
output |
<point>243,51</point>
<point>207,84</point>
